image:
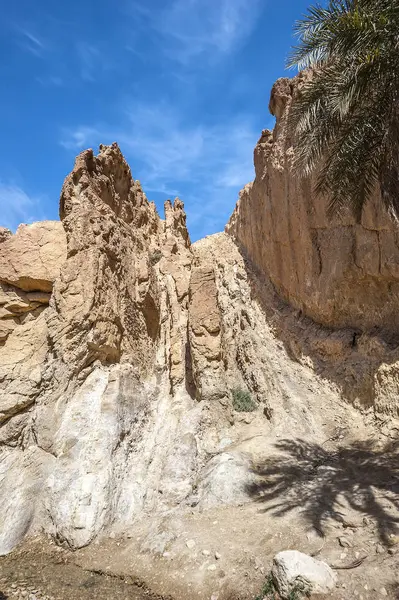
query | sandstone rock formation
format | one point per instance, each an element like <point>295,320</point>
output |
<point>340,273</point>
<point>123,347</point>
<point>30,262</point>
<point>31,259</point>
<point>123,368</point>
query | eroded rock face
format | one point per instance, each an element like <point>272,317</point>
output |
<point>340,273</point>
<point>103,387</point>
<point>117,373</point>
<point>30,262</point>
<point>31,259</point>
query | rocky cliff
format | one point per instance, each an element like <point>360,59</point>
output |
<point>339,272</point>
<point>126,353</point>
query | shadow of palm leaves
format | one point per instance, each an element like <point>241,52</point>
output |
<point>320,480</point>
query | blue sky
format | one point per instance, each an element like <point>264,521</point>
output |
<point>182,85</point>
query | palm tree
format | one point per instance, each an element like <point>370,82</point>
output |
<point>345,118</point>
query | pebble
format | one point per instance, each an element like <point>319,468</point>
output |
<point>20,592</point>
<point>380,549</point>
<point>206,552</point>
<point>218,556</point>
<point>190,544</point>
<point>212,568</point>
<point>383,592</point>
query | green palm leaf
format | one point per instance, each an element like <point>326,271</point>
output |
<point>345,118</point>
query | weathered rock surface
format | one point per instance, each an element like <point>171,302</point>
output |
<point>337,273</point>
<point>293,570</point>
<point>31,259</point>
<point>123,345</point>
<point>340,273</point>
<point>116,399</point>
<point>4,234</point>
<point>30,262</point>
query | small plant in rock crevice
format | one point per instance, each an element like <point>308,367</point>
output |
<point>155,257</point>
<point>268,591</point>
<point>300,591</point>
<point>243,401</point>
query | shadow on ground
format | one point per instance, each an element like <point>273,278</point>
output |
<point>322,481</point>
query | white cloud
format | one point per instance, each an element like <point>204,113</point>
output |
<point>80,138</point>
<point>191,28</point>
<point>204,164</point>
<point>30,42</point>
<point>16,206</point>
<point>171,152</point>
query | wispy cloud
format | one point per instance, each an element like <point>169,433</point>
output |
<point>51,80</point>
<point>17,206</point>
<point>89,57</point>
<point>81,137</point>
<point>170,151</point>
<point>205,164</point>
<point>30,42</point>
<point>191,28</point>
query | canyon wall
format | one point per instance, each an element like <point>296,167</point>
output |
<point>124,347</point>
<point>118,362</point>
<point>338,272</point>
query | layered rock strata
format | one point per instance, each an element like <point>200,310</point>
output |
<point>30,262</point>
<point>117,390</point>
<point>125,347</point>
<point>341,275</point>
<point>338,272</point>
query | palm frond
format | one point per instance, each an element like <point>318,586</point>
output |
<point>344,120</point>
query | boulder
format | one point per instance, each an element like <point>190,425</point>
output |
<point>293,570</point>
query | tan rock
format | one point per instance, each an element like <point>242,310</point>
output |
<point>31,259</point>
<point>4,234</point>
<point>7,325</point>
<point>338,272</point>
<point>19,307</point>
<point>116,389</point>
<point>204,330</point>
<point>40,297</point>
<point>22,361</point>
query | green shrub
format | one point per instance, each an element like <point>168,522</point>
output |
<point>300,591</point>
<point>155,257</point>
<point>242,400</point>
<point>268,590</point>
